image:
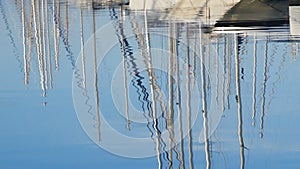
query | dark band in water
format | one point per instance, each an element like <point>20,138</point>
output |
<point>294,3</point>
<point>251,23</point>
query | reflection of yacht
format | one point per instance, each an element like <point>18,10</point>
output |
<point>260,16</point>
<point>223,16</point>
<point>256,13</point>
<point>188,11</point>
<point>294,14</point>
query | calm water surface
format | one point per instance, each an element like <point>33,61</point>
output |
<point>111,85</point>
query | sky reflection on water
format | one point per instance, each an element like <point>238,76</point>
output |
<point>73,71</point>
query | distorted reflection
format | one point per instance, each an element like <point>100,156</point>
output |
<point>220,60</point>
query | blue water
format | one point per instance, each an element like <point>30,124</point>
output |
<point>140,85</point>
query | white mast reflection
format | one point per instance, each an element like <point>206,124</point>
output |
<point>193,65</point>
<point>38,46</point>
<point>26,71</point>
<point>224,74</point>
<point>229,70</point>
<point>44,42</point>
<point>56,15</point>
<point>151,77</point>
<point>48,45</point>
<point>170,119</point>
<point>29,36</point>
<point>239,103</point>
<point>217,70</point>
<point>82,50</point>
<point>254,82</point>
<point>188,102</point>
<point>263,97</point>
<point>204,104</point>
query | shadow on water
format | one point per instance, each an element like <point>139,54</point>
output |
<point>201,47</point>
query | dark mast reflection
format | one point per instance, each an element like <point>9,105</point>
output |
<point>96,78</point>
<point>67,21</point>
<point>125,81</point>
<point>124,60</point>
<point>179,110</point>
<point>137,80</point>
<point>144,46</point>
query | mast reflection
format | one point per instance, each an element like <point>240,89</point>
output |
<point>204,104</point>
<point>239,103</point>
